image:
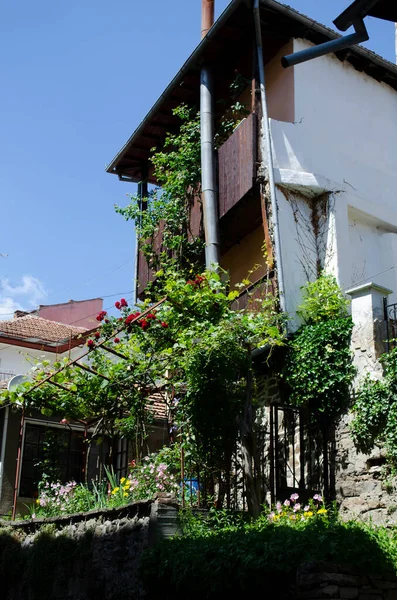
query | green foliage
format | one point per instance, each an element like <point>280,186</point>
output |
<point>221,555</point>
<point>375,411</point>
<point>162,220</point>
<point>166,211</point>
<point>194,347</point>
<point>322,300</point>
<point>318,369</point>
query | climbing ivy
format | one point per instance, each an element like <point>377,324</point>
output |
<point>166,211</point>
<point>375,411</point>
<point>318,369</point>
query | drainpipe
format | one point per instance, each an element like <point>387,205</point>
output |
<point>208,183</point>
<point>3,448</point>
<point>266,149</point>
<point>142,193</point>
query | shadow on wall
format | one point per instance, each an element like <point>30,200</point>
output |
<point>268,562</point>
<point>80,557</point>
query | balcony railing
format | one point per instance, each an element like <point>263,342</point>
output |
<point>6,375</point>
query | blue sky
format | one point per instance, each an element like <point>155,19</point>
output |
<point>76,79</point>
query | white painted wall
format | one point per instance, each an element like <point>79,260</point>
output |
<point>20,360</point>
<point>343,141</point>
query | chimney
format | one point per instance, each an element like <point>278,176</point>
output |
<point>207,16</point>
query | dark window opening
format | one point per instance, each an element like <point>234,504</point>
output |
<point>63,458</point>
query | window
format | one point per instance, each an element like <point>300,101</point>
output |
<point>61,452</point>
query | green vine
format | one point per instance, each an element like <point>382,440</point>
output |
<point>318,369</point>
<point>375,411</point>
<point>163,220</point>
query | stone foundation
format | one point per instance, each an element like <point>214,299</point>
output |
<point>81,556</point>
<point>317,581</point>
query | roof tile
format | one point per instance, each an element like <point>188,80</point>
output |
<point>35,329</point>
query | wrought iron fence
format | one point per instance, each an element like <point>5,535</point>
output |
<point>390,316</point>
<point>295,456</point>
<point>299,454</point>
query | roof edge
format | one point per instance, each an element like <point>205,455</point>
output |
<point>176,80</point>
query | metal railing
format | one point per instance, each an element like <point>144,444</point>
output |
<point>390,316</point>
<point>6,375</point>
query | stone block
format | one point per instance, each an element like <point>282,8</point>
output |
<point>348,592</point>
<point>385,585</point>
<point>330,591</point>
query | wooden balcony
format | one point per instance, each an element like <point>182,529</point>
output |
<point>237,164</point>
<point>237,174</point>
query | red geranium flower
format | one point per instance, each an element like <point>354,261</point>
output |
<point>117,305</point>
<point>97,334</point>
<point>164,324</point>
<point>123,302</point>
<point>151,316</point>
<point>90,343</point>
<point>116,340</point>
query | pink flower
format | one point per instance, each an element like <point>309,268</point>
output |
<point>287,502</point>
<point>294,497</point>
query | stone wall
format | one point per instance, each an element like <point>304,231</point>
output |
<point>82,556</point>
<point>361,484</point>
<point>317,581</point>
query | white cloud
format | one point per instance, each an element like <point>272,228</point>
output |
<point>25,295</point>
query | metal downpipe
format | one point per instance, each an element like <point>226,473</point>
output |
<point>266,149</point>
<point>208,177</point>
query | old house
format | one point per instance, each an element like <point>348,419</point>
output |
<point>333,125</point>
<point>46,334</point>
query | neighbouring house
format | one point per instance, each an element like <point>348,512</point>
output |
<point>51,333</point>
<point>333,126</point>
<point>48,333</point>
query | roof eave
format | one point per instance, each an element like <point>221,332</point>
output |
<point>311,28</point>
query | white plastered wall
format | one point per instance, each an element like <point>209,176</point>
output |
<point>343,141</point>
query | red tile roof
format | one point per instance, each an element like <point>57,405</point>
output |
<point>35,330</point>
<point>156,404</point>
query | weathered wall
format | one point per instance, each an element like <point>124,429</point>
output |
<point>244,256</point>
<point>341,115</point>
<point>362,486</point>
<point>84,556</point>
